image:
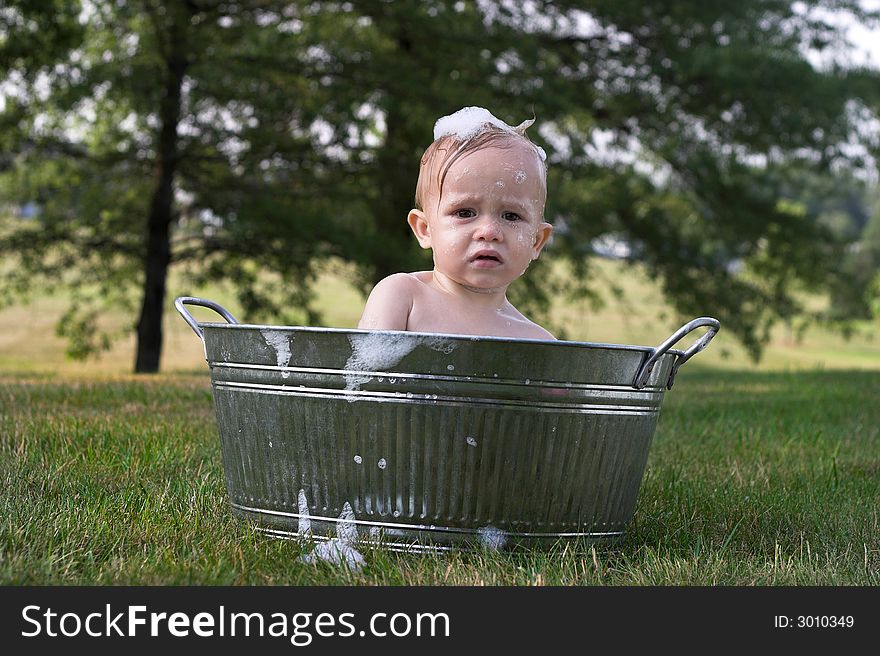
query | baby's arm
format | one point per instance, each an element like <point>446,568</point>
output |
<point>389,304</point>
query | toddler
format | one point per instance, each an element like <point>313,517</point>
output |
<point>480,208</point>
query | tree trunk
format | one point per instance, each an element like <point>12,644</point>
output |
<point>158,251</point>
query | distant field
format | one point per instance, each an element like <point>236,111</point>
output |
<point>28,342</point>
<point>761,474</point>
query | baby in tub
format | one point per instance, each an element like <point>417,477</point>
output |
<point>480,208</point>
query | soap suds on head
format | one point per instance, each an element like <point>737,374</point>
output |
<point>492,538</point>
<point>467,122</point>
<point>280,342</point>
<point>470,121</point>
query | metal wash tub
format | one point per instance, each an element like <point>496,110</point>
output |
<point>434,440</point>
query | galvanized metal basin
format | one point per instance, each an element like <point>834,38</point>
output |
<point>427,440</point>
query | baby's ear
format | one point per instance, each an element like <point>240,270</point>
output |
<point>420,227</point>
<point>541,238</point>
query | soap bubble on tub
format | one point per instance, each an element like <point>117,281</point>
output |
<point>340,550</point>
<point>492,538</point>
<point>346,529</point>
<point>337,553</point>
<point>280,343</point>
<point>375,352</point>
<point>305,523</point>
<point>440,344</point>
<point>379,351</point>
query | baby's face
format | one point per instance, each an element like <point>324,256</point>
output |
<point>488,225</point>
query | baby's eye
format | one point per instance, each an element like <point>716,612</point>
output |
<point>511,216</point>
<point>465,214</point>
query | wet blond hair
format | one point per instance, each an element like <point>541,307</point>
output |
<point>446,150</point>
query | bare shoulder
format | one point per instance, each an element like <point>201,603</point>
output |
<point>396,282</point>
<point>537,332</point>
<point>389,303</point>
<point>527,328</point>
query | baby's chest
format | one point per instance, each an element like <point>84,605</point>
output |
<point>451,318</point>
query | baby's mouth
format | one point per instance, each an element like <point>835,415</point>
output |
<point>486,257</point>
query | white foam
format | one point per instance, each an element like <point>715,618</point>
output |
<point>492,538</point>
<point>339,550</point>
<point>346,529</point>
<point>305,523</point>
<point>337,553</point>
<point>467,122</point>
<point>376,352</point>
<point>280,342</point>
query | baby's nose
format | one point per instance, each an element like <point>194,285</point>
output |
<point>488,230</point>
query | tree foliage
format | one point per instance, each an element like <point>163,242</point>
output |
<point>227,138</point>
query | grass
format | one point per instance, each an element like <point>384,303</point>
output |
<point>754,478</point>
<point>758,475</point>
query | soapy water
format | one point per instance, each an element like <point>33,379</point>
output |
<point>339,550</point>
<point>280,343</point>
<point>379,351</point>
<point>346,529</point>
<point>305,523</point>
<point>336,552</point>
<point>492,538</point>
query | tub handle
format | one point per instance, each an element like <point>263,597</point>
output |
<point>181,301</point>
<point>641,378</point>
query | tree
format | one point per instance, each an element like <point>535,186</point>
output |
<point>672,125</point>
<point>163,133</point>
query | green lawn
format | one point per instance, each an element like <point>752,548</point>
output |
<point>766,474</point>
<point>753,478</point>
